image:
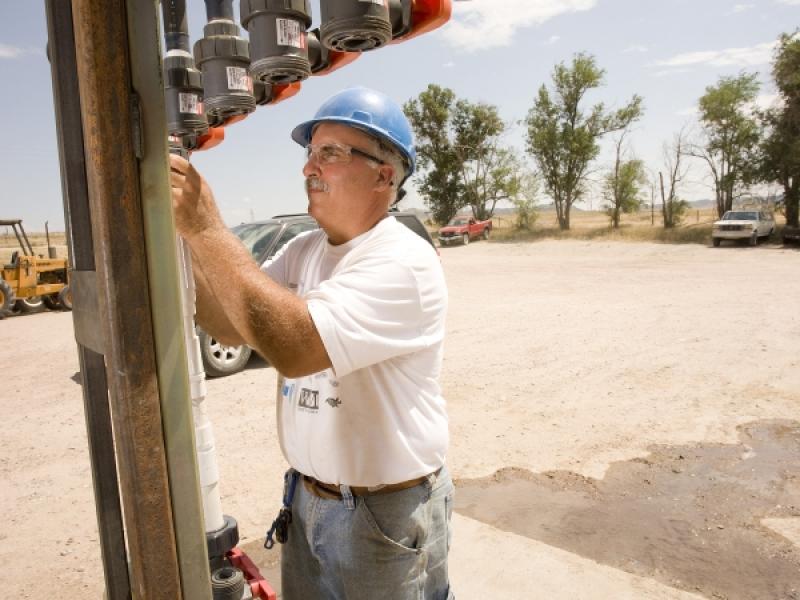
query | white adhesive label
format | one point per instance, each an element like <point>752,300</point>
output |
<point>238,79</point>
<point>190,103</point>
<point>290,33</point>
<point>374,1</point>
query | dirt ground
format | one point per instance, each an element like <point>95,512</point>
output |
<point>634,405</point>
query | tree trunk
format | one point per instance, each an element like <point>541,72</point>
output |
<point>791,197</point>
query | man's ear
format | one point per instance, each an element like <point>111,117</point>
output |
<point>385,174</point>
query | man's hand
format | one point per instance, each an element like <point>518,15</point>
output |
<point>192,201</point>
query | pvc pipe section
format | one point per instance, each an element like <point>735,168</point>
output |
<point>203,430</point>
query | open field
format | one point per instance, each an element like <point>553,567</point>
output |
<point>625,424</point>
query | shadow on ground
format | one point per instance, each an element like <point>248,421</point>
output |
<point>688,516</point>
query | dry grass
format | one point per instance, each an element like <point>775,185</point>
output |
<point>591,225</point>
<point>9,243</point>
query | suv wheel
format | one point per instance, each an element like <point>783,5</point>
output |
<point>715,242</point>
<point>465,239</point>
<point>220,360</point>
<point>754,239</point>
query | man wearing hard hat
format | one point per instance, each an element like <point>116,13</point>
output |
<point>352,317</point>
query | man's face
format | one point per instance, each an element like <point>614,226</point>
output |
<point>340,194</point>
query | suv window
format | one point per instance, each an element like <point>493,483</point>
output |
<point>290,232</point>
<point>414,224</point>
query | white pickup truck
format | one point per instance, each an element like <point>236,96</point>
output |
<point>750,225</point>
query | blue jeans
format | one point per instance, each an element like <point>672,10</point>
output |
<point>386,546</point>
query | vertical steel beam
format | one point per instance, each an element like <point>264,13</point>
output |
<point>61,47</point>
<point>111,139</point>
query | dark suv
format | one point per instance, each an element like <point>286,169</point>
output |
<point>263,239</point>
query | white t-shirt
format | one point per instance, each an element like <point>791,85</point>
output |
<point>379,303</point>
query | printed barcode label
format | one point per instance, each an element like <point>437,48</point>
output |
<point>190,103</point>
<point>289,33</point>
<point>238,79</point>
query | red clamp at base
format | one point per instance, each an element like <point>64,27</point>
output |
<point>258,585</point>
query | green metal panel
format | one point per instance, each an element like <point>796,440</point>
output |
<point>173,378</point>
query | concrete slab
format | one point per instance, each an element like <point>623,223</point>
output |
<point>488,563</point>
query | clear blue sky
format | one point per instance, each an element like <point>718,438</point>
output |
<point>495,51</point>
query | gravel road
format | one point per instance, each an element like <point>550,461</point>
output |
<point>570,358</point>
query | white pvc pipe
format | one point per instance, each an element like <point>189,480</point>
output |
<point>203,431</point>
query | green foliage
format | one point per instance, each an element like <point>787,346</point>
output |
<point>461,160</point>
<point>526,200</point>
<point>622,189</point>
<point>732,133</point>
<point>779,159</point>
<point>439,182</point>
<point>563,139</point>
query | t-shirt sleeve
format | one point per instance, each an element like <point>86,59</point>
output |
<point>369,313</point>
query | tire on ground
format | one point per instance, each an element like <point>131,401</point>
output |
<point>65,297</point>
<point>30,305</point>
<point>220,360</point>
<point>7,298</point>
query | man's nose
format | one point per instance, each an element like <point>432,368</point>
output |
<point>311,167</point>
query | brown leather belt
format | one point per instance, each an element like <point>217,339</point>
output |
<point>329,491</point>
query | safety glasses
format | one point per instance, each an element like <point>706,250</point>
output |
<point>328,154</point>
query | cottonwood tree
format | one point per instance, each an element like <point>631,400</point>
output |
<point>731,133</point>
<point>622,186</point>
<point>437,161</point>
<point>527,199</point>
<point>780,149</point>
<point>676,167</point>
<point>563,139</point>
<point>462,160</point>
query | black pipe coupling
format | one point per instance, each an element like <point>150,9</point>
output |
<point>278,44</point>
<point>354,25</point>
<point>183,90</point>
<point>223,56</point>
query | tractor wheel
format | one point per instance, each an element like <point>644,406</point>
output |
<point>6,298</point>
<point>65,298</point>
<point>51,302</point>
<point>486,233</point>
<point>465,239</point>
<point>33,304</point>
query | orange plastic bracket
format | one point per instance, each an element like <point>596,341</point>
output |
<point>427,15</point>
<point>337,60</point>
<point>214,137</point>
<point>284,92</point>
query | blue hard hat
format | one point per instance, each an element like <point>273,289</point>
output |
<point>368,110</point>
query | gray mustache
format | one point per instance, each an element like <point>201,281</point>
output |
<point>315,185</point>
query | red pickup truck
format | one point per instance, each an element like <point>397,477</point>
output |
<point>463,229</point>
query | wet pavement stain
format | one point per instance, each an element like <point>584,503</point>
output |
<point>687,516</point>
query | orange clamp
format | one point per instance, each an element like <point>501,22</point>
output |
<point>427,15</point>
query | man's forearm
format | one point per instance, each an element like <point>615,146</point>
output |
<point>267,317</point>
<point>211,314</point>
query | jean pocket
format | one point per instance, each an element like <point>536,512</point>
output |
<point>398,522</point>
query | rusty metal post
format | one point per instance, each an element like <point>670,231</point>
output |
<point>111,139</point>
<point>66,100</point>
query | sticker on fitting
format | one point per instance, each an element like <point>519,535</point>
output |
<point>290,33</point>
<point>238,79</point>
<point>190,103</point>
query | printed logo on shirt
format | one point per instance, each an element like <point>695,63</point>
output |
<point>287,390</point>
<point>309,399</point>
<point>334,402</point>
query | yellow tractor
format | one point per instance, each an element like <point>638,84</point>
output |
<point>30,282</point>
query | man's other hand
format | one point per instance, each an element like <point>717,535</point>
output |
<point>192,201</point>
